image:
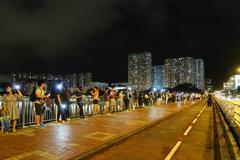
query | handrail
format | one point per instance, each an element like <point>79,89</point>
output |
<point>27,113</point>
<point>233,103</point>
<point>231,111</point>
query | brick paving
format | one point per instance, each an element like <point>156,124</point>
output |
<point>156,142</point>
<point>79,137</point>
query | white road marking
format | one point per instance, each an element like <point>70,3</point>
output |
<point>188,130</point>
<point>173,151</point>
<point>195,120</point>
<point>203,108</point>
<point>201,111</point>
<point>179,143</point>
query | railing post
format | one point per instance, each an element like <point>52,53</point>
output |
<point>23,112</point>
<point>232,121</point>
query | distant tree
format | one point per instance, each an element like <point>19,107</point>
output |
<point>186,87</point>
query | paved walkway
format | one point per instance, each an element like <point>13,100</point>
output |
<point>197,133</point>
<point>189,133</point>
<point>79,138</point>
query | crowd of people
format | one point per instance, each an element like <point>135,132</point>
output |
<point>112,101</point>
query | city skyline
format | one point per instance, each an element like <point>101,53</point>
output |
<point>143,75</point>
<point>123,71</point>
<point>182,70</point>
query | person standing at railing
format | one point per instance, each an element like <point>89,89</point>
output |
<point>113,104</point>
<point>80,101</point>
<point>106,100</point>
<point>131,101</point>
<point>141,100</point>
<point>61,115</point>
<point>4,119</point>
<point>136,100</point>
<point>121,100</point>
<point>151,99</point>
<point>66,101</point>
<point>185,98</point>
<point>210,100</point>
<point>167,97</point>
<point>40,103</point>
<point>10,102</point>
<point>95,94</point>
<point>126,100</point>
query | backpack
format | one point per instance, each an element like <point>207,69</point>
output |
<point>33,96</point>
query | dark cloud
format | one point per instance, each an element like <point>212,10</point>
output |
<point>97,35</point>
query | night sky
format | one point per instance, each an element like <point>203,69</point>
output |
<point>61,36</point>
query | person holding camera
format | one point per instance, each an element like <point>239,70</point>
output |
<point>10,100</point>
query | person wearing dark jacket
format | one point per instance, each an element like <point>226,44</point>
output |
<point>210,100</point>
<point>80,101</point>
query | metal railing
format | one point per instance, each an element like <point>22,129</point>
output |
<point>231,111</point>
<point>27,110</point>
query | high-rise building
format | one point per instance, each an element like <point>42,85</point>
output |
<point>184,70</point>
<point>81,80</point>
<point>74,80</point>
<point>139,70</point>
<point>87,79</point>
<point>158,76</point>
<point>199,74</point>
<point>171,73</point>
<point>71,80</point>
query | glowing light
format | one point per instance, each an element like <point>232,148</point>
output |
<point>59,86</point>
<point>64,106</point>
<point>17,86</point>
<point>238,70</point>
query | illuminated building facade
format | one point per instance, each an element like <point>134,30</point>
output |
<point>171,73</point>
<point>184,70</point>
<point>140,70</point>
<point>233,83</point>
<point>199,74</point>
<point>72,80</point>
<point>158,77</point>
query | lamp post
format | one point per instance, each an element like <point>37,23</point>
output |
<point>238,70</point>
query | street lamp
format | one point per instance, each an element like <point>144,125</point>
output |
<point>238,70</point>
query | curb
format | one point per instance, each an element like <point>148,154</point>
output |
<point>91,153</point>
